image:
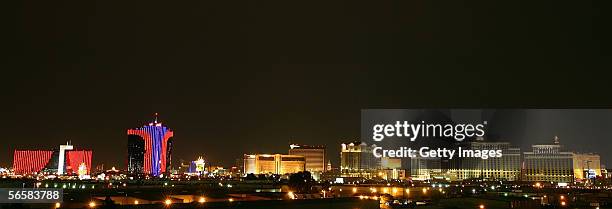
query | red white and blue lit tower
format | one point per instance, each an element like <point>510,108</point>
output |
<point>150,149</point>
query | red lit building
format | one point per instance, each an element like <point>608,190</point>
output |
<point>30,161</point>
<point>150,149</point>
<point>76,158</point>
<point>48,161</point>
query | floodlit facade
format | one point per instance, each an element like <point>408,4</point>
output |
<point>357,160</point>
<point>549,163</point>
<point>273,164</point>
<point>314,156</point>
<point>358,156</point>
<point>507,167</point>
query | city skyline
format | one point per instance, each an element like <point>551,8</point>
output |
<point>291,104</point>
<point>180,154</point>
<point>226,76</point>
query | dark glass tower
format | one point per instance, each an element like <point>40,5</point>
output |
<point>136,152</point>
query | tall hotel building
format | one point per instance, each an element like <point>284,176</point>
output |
<point>150,149</point>
<point>314,156</point>
<point>273,164</point>
<point>549,163</point>
<point>507,167</point>
<point>63,161</point>
<point>357,160</point>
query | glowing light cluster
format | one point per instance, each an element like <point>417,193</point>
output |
<point>74,159</point>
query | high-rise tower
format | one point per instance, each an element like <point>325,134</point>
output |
<point>150,149</point>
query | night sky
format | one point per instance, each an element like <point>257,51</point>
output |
<point>243,77</point>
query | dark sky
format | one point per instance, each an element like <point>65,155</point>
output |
<point>241,77</point>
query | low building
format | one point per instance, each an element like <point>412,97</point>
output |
<point>273,164</point>
<point>392,174</point>
<point>63,161</point>
<point>586,166</point>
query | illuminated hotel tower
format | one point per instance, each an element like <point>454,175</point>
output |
<point>149,149</point>
<point>62,153</point>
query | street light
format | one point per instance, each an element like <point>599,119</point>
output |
<point>481,206</point>
<point>92,204</point>
<point>168,202</point>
